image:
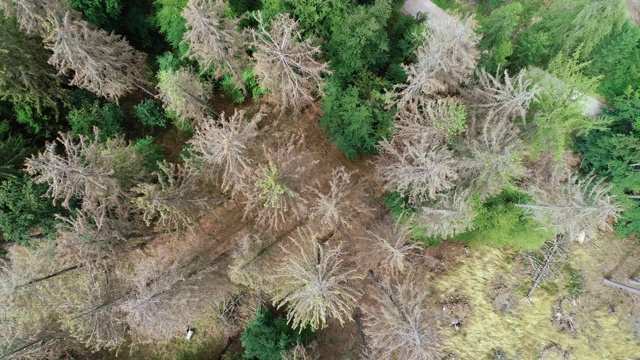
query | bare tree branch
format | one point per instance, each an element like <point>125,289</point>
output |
<point>394,245</point>
<point>445,61</point>
<point>183,95</point>
<point>338,209</point>
<point>576,208</point>
<point>313,284</point>
<point>402,327</point>
<point>279,186</point>
<point>452,215</point>
<point>223,144</point>
<point>214,39</point>
<point>100,62</point>
<point>417,170</point>
<point>286,64</point>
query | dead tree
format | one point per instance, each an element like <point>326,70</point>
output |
<point>546,262</point>
<point>278,188</point>
<point>313,284</point>
<point>495,158</point>
<point>300,352</point>
<point>89,241</point>
<point>223,144</point>
<point>214,39</point>
<point>175,201</point>
<point>417,170</point>
<point>102,63</point>
<point>446,60</point>
<point>506,98</point>
<point>576,208</point>
<point>35,16</point>
<point>434,122</point>
<point>338,209</point>
<point>402,328</point>
<point>394,246</point>
<point>621,286</point>
<point>286,64</point>
<point>183,95</point>
<point>98,173</point>
<point>452,214</point>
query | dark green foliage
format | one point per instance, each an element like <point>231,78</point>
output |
<point>617,59</point>
<point>150,114</point>
<point>355,118</point>
<point>250,83</point>
<point>169,61</point>
<point>239,7</point>
<point>26,79</point>
<point>23,209</point>
<point>532,49</point>
<point>98,12</point>
<point>318,16</point>
<point>359,40</point>
<point>171,23</point>
<point>402,30</point>
<point>398,205</point>
<point>395,74</point>
<point>498,31</point>
<point>613,154</point>
<point>107,117</point>
<point>37,123</point>
<point>151,152</point>
<point>230,88</point>
<point>501,223</point>
<point>267,336</point>
<point>13,151</point>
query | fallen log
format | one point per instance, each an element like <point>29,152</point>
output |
<point>621,286</point>
<point>633,281</point>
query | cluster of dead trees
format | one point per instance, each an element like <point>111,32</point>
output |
<point>452,146</point>
<point>449,147</point>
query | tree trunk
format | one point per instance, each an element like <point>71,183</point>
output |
<point>621,286</point>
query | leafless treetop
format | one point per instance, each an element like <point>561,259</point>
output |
<point>402,327</point>
<point>446,60</point>
<point>35,16</point>
<point>223,143</point>
<point>278,188</point>
<point>395,246</point>
<point>100,62</point>
<point>286,63</point>
<point>577,208</point>
<point>452,214</point>
<point>98,173</point>
<point>417,170</point>
<point>338,208</point>
<point>214,39</point>
<point>183,95</point>
<point>508,99</point>
<point>314,285</point>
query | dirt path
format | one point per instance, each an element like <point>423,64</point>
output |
<point>592,104</point>
<point>414,7</point>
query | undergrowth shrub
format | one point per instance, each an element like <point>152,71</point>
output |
<point>24,209</point>
<point>152,153</point>
<point>267,336</point>
<point>356,119</point>
<point>500,223</point>
<point>107,117</point>
<point>150,114</point>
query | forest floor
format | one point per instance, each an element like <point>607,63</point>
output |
<point>483,288</point>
